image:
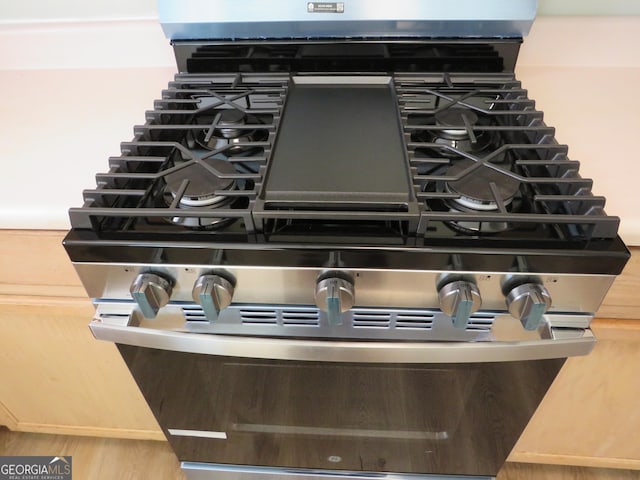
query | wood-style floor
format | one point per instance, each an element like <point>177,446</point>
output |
<point>108,459</point>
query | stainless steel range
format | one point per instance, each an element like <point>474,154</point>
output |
<point>344,243</point>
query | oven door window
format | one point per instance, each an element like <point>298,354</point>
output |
<point>448,419</point>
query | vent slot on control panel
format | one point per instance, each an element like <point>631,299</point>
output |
<point>311,317</point>
<point>259,317</point>
<point>285,317</point>
<point>422,322</point>
<point>301,318</point>
<point>385,319</point>
<point>478,323</point>
<point>365,319</point>
<point>194,314</point>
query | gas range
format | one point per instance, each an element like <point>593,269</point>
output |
<point>470,153</point>
<point>362,202</point>
<point>448,179</point>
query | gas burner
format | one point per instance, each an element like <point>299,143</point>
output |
<point>461,135</point>
<point>200,193</point>
<point>221,129</point>
<point>484,189</point>
<point>475,189</point>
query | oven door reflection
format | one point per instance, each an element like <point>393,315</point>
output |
<point>445,418</point>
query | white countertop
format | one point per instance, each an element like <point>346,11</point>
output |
<point>68,104</point>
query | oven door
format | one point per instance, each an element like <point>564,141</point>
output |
<point>243,408</point>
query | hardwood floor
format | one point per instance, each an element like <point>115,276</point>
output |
<point>99,458</point>
<point>531,471</point>
<point>108,459</point>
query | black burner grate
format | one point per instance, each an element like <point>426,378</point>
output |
<point>457,129</point>
<point>135,193</point>
<point>492,130</point>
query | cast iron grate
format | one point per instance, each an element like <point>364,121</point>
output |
<point>190,127</point>
<point>499,133</point>
<point>461,126</point>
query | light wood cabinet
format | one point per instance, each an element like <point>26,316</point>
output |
<point>6,418</point>
<point>57,378</point>
<point>33,263</point>
<point>622,300</point>
<point>591,415</point>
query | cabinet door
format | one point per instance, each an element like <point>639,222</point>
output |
<point>591,415</point>
<point>622,299</point>
<point>6,418</point>
<point>57,378</point>
<point>33,263</point>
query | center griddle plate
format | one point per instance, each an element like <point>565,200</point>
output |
<point>339,146</point>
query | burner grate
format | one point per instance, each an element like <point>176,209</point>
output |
<point>241,113</point>
<point>459,128</point>
<point>456,129</point>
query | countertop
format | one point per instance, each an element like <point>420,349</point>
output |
<point>72,93</point>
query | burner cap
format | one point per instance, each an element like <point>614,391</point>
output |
<point>455,134</point>
<point>455,117</point>
<point>203,183</point>
<point>475,190</point>
<point>228,133</point>
<point>231,118</point>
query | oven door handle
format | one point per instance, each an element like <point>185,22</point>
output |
<point>554,343</point>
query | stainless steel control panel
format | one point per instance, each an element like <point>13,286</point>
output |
<point>518,293</point>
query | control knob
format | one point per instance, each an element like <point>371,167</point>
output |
<point>151,292</point>
<point>528,303</point>
<point>335,295</point>
<point>214,293</point>
<point>459,299</point>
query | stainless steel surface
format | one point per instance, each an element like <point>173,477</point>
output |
<point>510,343</point>
<point>562,333</point>
<point>335,296</point>
<point>307,321</point>
<point>528,303</point>
<point>210,471</point>
<point>151,292</point>
<point>178,432</point>
<point>459,300</point>
<point>214,293</point>
<point>202,19</point>
<point>569,321</point>
<point>296,286</point>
